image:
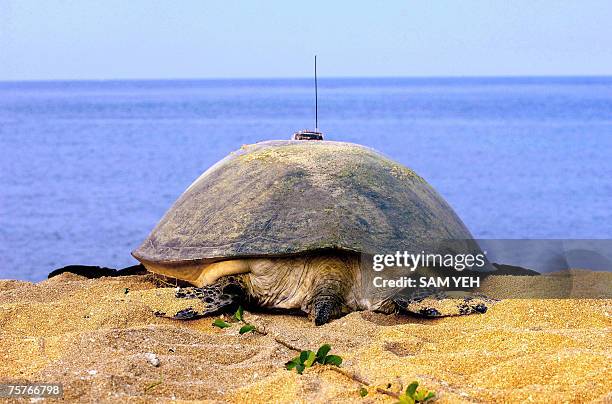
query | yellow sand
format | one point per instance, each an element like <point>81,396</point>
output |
<point>92,336</point>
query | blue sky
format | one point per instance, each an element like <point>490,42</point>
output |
<point>110,39</point>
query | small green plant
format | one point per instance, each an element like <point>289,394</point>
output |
<point>363,392</point>
<point>415,395</point>
<point>308,358</point>
<point>239,317</point>
<point>236,318</point>
<point>246,328</point>
<point>221,324</point>
<point>238,314</point>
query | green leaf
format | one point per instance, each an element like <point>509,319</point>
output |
<point>291,364</point>
<point>429,396</point>
<point>411,389</point>
<point>404,399</point>
<point>322,353</point>
<point>246,328</point>
<point>363,392</point>
<point>220,323</point>
<point>420,395</point>
<point>310,360</point>
<point>304,356</point>
<point>333,360</point>
<point>299,368</point>
<point>239,313</point>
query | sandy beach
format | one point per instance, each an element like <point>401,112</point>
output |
<point>96,336</point>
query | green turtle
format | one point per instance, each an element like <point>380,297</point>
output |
<point>295,224</point>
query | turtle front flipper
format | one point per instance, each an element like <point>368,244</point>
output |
<point>436,303</point>
<point>226,294</point>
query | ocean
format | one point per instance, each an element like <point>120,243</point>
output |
<point>87,168</point>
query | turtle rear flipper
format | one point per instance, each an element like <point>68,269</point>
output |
<point>225,295</point>
<point>427,303</point>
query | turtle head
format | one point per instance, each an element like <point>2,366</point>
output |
<point>326,307</point>
<point>332,279</point>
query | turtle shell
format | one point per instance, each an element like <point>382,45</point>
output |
<point>277,198</point>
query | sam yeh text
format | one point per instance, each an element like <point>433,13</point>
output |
<point>428,282</point>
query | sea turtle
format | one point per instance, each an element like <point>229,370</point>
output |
<point>294,224</point>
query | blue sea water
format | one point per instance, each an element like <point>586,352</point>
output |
<point>88,168</point>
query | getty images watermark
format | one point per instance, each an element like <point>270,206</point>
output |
<point>404,260</point>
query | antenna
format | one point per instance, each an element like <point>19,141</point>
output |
<point>316,98</point>
<point>309,134</point>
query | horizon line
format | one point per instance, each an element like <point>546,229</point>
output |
<point>280,78</point>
